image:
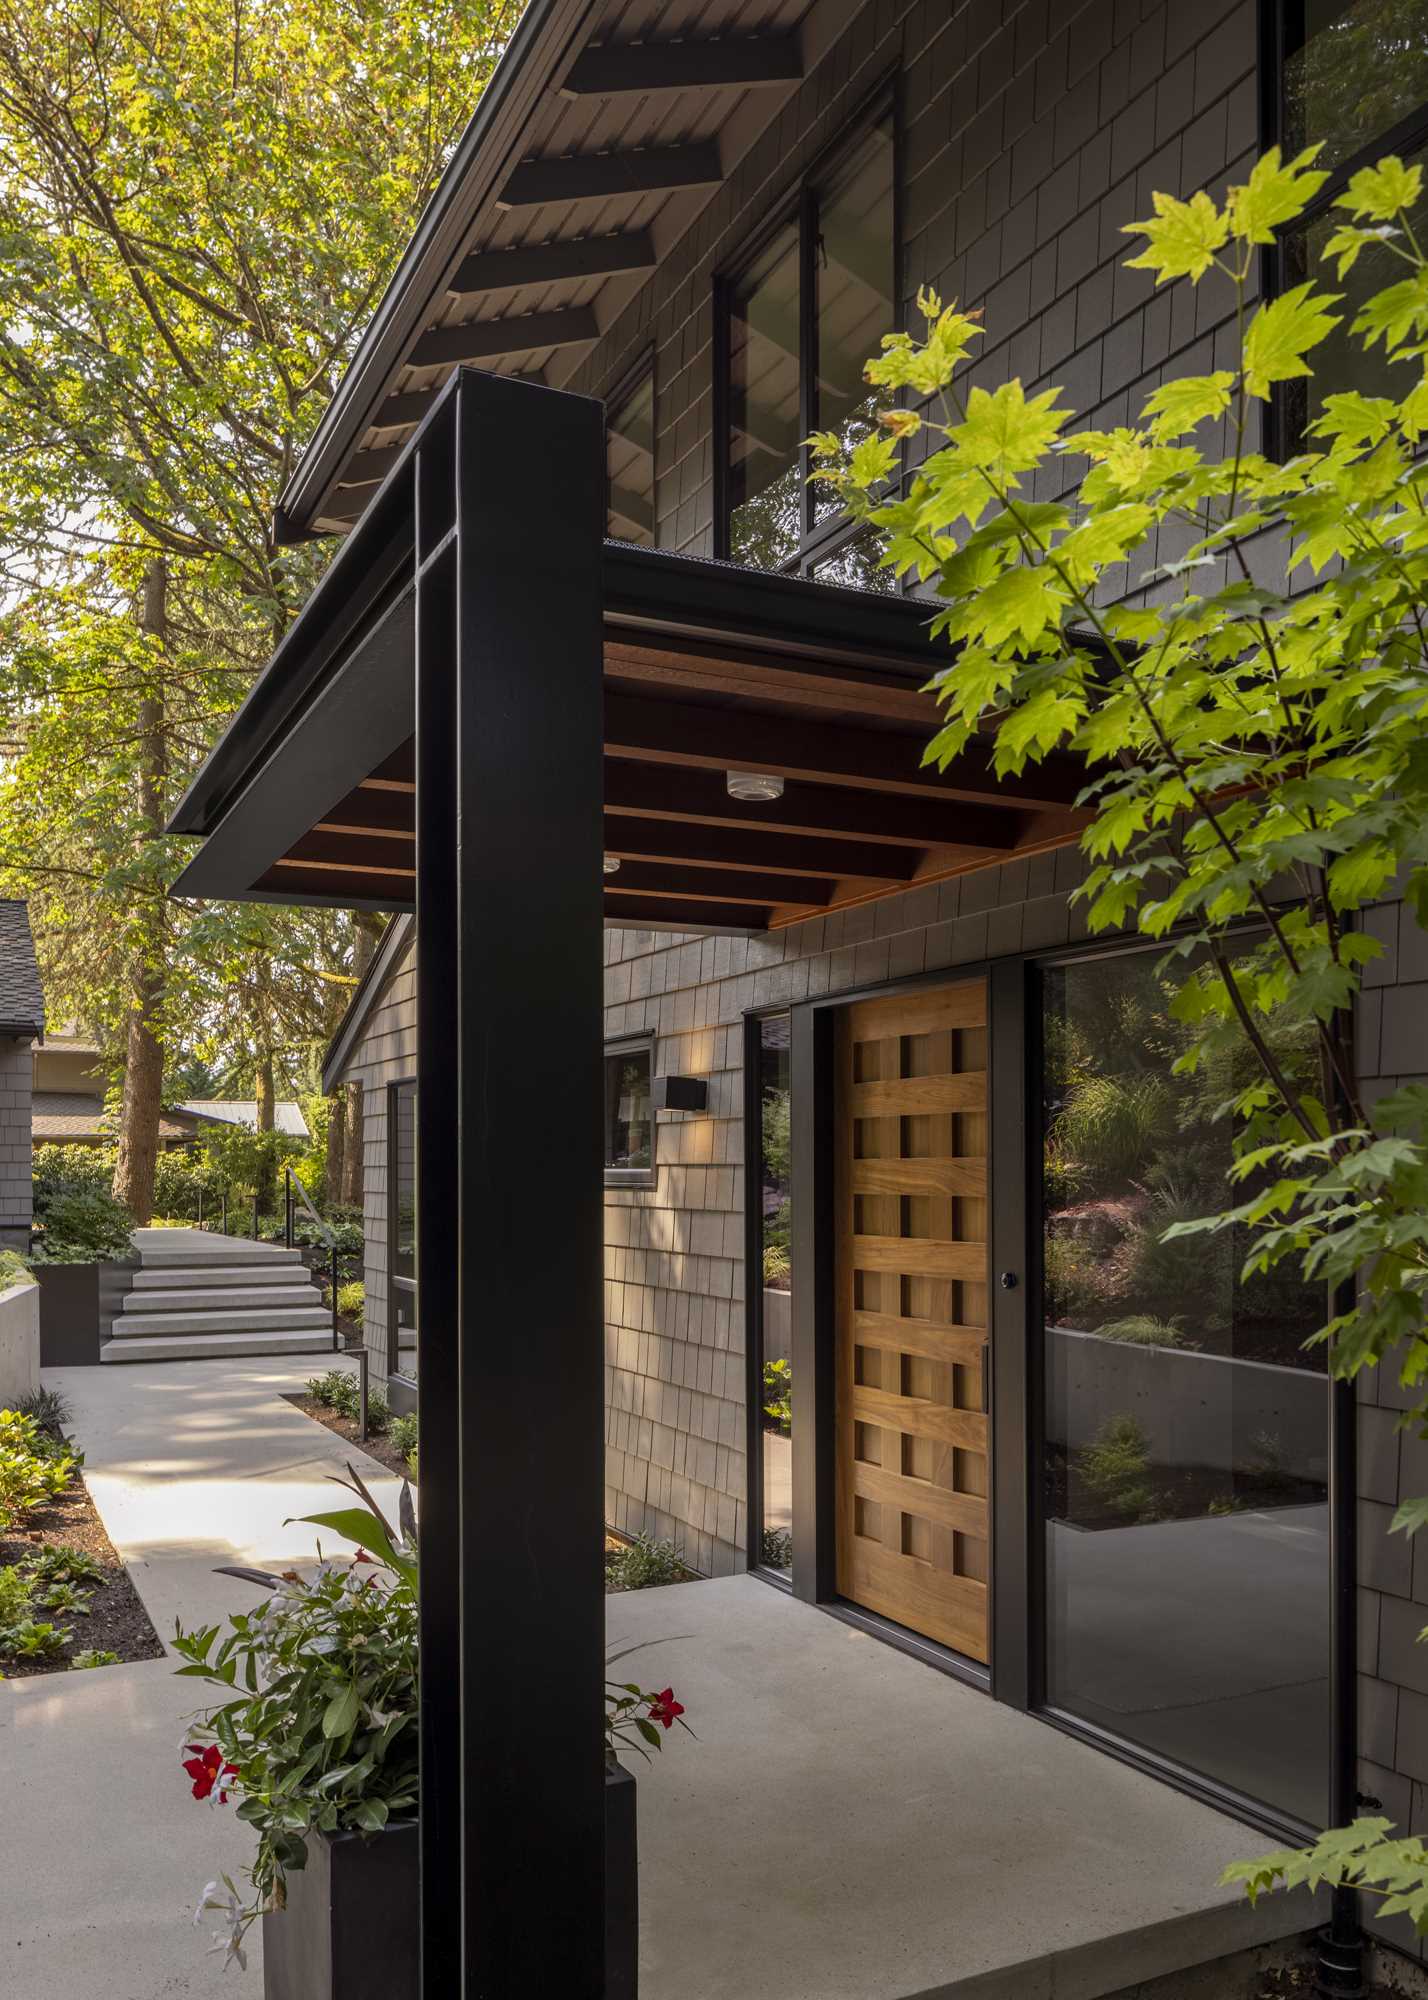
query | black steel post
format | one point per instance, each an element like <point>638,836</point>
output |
<point>362,1360</point>
<point>1340,1957</point>
<point>223,1211</point>
<point>336,1329</point>
<point>255,1215</point>
<point>200,1204</point>
<point>288,1208</point>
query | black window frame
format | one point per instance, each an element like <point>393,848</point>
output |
<point>818,540</point>
<point>631,1177</point>
<point>399,1087</point>
<point>624,388</point>
<point>1281,35</point>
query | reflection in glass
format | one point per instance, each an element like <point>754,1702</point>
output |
<point>403,1334</point>
<point>1359,71</point>
<point>1341,361</point>
<point>854,273</point>
<point>629,1122</point>
<point>765,487</point>
<point>629,465</point>
<point>856,564</point>
<point>776,1539</point>
<point>1185,1457</point>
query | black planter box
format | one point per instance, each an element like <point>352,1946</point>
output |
<point>352,1924</point>
<point>77,1307</point>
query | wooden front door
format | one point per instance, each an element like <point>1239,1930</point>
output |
<point>911,1227</point>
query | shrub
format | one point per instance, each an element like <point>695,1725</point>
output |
<point>14,1270</point>
<point>93,1656</point>
<point>778,1390</point>
<point>34,1467</point>
<point>1110,1127</point>
<point>1143,1330</point>
<point>82,1227</point>
<point>403,1436</point>
<point>338,1390</point>
<point>61,1170</point>
<point>1115,1468</point>
<point>62,1564</point>
<point>15,1602</point>
<point>49,1408</point>
<point>37,1639</point>
<point>352,1299</point>
<point>776,1548</point>
<point>645,1563</point>
<point>1079,1282</point>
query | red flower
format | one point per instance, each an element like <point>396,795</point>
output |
<point>207,1769</point>
<point>362,1557</point>
<point>664,1708</point>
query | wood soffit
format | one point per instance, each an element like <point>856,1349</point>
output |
<point>860,818</point>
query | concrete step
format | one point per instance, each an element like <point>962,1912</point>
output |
<point>215,1346</point>
<point>182,1277</point>
<point>223,1298</point>
<point>226,1252</point>
<point>289,1319</point>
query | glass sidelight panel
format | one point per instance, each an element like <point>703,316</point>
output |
<point>1185,1425</point>
<point>765,477</point>
<point>775,1320</point>
<point>402,1320</point>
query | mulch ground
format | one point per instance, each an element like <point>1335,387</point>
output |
<point>117,1621</point>
<point>379,1448</point>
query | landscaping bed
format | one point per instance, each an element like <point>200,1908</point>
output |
<point>59,1546</point>
<point>375,1445</point>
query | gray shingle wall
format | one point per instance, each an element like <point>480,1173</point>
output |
<point>674,1271</point>
<point>385,1054</point>
<point>1032,134</point>
<point>1393,1463</point>
<point>16,1064</point>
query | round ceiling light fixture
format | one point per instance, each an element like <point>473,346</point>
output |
<point>612,864</point>
<point>753,787</point>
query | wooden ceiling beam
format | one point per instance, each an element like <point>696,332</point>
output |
<point>737,848</point>
<point>975,832</point>
<point>817,752</point>
<point>486,339</point>
<point>646,913</point>
<point>718,62</point>
<point>598,176</point>
<point>704,668</point>
<point>653,878</point>
<point>552,263</point>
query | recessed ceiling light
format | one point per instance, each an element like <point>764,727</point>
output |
<point>753,786</point>
<point>612,864</point>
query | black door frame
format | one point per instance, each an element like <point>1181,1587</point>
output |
<point>1016,1674</point>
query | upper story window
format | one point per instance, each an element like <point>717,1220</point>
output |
<point>629,459</point>
<point>1354,80</point>
<point>798,322</point>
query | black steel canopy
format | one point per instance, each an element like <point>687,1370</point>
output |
<point>310,795</point>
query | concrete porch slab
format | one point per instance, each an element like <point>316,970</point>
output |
<point>853,1825</point>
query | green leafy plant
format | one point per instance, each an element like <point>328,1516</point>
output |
<point>14,1270</point>
<point>1111,1126</point>
<point>351,1300</point>
<point>94,1656</point>
<point>778,1396</point>
<point>1115,1468</point>
<point>15,1603</point>
<point>36,1639</point>
<point>50,1409</point>
<point>403,1437</point>
<point>318,1729</point>
<point>62,1564</point>
<point>35,1466</point>
<point>339,1390</point>
<point>84,1227</point>
<point>63,1598</point>
<point>644,1563</point>
<point>776,1548</point>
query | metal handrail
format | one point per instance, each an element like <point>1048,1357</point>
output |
<point>321,1227</point>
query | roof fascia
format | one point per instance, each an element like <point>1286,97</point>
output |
<point>397,936</point>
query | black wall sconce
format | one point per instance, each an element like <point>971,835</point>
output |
<point>681,1093</point>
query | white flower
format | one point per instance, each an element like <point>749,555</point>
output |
<point>222,1899</point>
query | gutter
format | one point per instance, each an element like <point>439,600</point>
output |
<point>543,35</point>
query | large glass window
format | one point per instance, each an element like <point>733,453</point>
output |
<point>401,1180</point>
<point>629,460</point>
<point>774,1318</point>
<point>629,1114</point>
<point>1184,1421</point>
<point>801,321</point>
<point>1355,83</point>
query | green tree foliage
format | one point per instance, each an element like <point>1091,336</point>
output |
<point>200,204</point>
<point>1238,649</point>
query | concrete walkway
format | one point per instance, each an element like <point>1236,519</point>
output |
<point>103,1853</point>
<point>848,1825</point>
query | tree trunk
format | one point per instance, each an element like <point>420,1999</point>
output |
<point>352,1166</point>
<point>142,1103</point>
<point>334,1170</point>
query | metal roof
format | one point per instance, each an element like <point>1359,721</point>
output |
<point>605,129</point>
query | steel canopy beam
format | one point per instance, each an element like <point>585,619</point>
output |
<point>597,176</point>
<point>610,69</point>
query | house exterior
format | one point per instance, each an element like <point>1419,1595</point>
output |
<point>883,1318</point>
<point>22,1023</point>
<point>68,1100</point>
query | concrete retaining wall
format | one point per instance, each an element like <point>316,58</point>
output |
<point>1196,1409</point>
<point>19,1343</point>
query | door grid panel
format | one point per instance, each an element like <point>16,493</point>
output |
<point>913,1532</point>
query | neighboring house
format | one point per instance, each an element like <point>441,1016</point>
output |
<point>22,1024</point>
<point>69,1102</point>
<point>850,1007</point>
<point>287,1113</point>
